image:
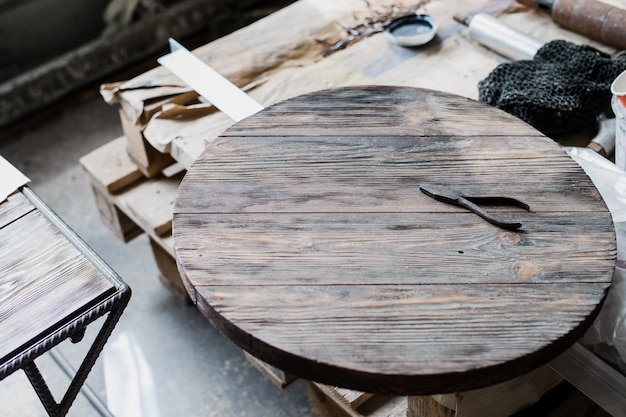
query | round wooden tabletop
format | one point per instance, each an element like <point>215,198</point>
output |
<point>301,234</point>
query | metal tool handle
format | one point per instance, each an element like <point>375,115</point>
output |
<point>595,19</point>
<point>463,202</point>
<point>499,201</point>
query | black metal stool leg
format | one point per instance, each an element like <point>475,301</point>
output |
<point>55,409</point>
<point>41,388</point>
<point>91,396</point>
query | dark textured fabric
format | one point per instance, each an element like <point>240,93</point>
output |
<point>561,91</point>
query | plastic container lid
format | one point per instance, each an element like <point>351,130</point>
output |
<point>412,30</point>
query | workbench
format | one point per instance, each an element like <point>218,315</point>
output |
<point>166,126</point>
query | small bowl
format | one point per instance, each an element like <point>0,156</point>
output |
<point>412,30</point>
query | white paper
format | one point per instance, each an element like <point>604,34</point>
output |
<point>207,82</point>
<point>10,179</point>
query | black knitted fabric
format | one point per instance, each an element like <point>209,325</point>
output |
<point>561,91</point>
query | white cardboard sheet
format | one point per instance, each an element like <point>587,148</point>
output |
<point>10,179</point>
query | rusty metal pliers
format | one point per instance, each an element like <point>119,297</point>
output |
<point>451,196</point>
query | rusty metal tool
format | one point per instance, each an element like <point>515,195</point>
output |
<point>602,20</point>
<point>451,196</point>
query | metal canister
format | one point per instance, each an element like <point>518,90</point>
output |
<point>618,103</point>
<point>503,39</point>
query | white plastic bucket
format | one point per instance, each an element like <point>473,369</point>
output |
<point>618,103</point>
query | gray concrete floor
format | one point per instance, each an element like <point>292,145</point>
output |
<point>163,359</point>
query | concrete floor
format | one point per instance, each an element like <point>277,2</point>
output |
<point>163,359</point>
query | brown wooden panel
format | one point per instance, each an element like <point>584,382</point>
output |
<point>304,238</point>
<point>355,249</point>
<point>380,174</point>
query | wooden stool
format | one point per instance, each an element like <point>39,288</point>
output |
<point>52,286</point>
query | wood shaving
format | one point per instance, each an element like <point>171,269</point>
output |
<point>373,24</point>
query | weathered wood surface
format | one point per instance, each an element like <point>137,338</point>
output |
<point>44,279</point>
<point>313,249</point>
<point>349,398</point>
<point>115,219</point>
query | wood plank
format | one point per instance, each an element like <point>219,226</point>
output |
<point>168,271</point>
<point>279,378</point>
<point>45,280</point>
<point>325,404</point>
<point>355,173</point>
<point>15,206</point>
<point>512,319</point>
<point>370,114</point>
<point>347,398</point>
<point>429,247</point>
<point>426,406</point>
<point>150,203</point>
<point>593,377</point>
<point>116,220</point>
<point>129,203</point>
<point>109,167</point>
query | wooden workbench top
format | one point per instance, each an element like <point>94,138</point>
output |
<point>302,235</point>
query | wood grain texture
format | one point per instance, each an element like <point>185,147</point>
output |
<point>303,237</point>
<point>15,206</point>
<point>44,280</point>
<point>150,203</point>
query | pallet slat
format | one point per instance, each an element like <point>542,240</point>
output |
<point>278,377</point>
<point>328,401</point>
<point>110,168</point>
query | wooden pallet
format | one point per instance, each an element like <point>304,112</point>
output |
<point>329,401</point>
<point>130,204</point>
